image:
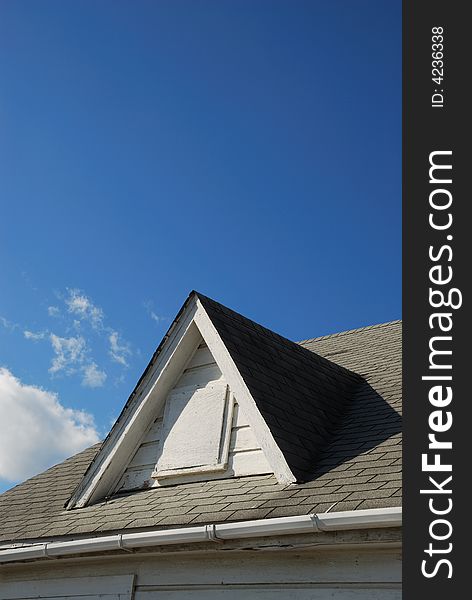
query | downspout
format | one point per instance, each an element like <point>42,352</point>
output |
<point>313,523</point>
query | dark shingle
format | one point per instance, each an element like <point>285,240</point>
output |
<point>302,415</point>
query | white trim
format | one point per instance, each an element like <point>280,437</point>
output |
<point>125,437</point>
<point>375,518</point>
<point>243,396</point>
<point>227,426</point>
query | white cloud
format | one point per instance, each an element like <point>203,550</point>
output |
<point>69,353</point>
<point>71,357</point>
<point>8,324</point>
<point>36,430</point>
<point>155,317</point>
<point>148,305</point>
<point>82,308</point>
<point>80,305</point>
<point>81,334</point>
<point>93,376</point>
<point>35,336</point>
<point>118,351</point>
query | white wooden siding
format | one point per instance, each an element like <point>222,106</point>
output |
<point>349,574</point>
<point>245,454</point>
<point>199,376</point>
<point>111,587</point>
<point>281,592</point>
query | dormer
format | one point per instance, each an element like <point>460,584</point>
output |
<point>222,397</point>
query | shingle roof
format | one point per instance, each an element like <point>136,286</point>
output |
<point>301,395</point>
<point>359,468</point>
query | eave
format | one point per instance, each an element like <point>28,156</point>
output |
<point>377,518</point>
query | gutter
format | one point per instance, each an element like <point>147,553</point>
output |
<point>313,523</point>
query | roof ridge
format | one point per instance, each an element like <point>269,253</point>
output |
<point>349,331</point>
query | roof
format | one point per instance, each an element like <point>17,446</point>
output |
<point>360,467</point>
<point>301,395</point>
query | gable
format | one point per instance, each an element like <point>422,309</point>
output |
<point>202,382</point>
<point>211,360</point>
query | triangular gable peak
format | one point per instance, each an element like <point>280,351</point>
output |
<point>221,397</point>
<point>201,433</point>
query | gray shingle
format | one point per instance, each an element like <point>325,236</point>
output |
<point>35,508</point>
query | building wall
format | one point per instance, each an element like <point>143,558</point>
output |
<point>347,574</point>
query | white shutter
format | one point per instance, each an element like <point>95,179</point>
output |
<point>195,431</point>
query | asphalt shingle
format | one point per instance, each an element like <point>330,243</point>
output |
<point>357,466</point>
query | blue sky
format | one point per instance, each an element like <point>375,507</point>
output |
<point>249,150</point>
